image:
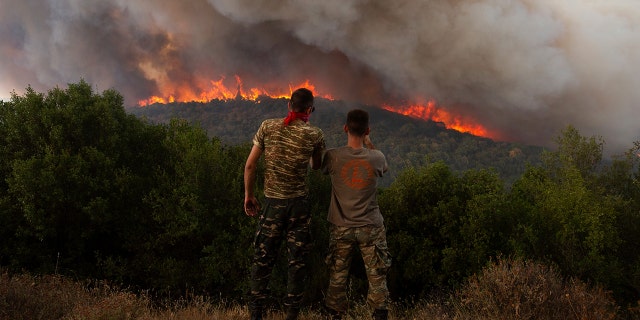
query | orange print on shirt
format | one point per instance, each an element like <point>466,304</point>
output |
<point>356,174</point>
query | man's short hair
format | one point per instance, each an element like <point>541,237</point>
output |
<point>301,99</point>
<point>358,122</point>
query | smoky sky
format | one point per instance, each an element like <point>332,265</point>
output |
<point>524,69</point>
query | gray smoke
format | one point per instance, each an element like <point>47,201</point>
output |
<point>522,68</point>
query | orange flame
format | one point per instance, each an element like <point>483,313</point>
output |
<point>431,112</point>
<point>218,90</point>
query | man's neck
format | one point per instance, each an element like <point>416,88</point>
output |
<point>355,142</point>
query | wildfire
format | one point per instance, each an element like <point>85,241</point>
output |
<point>431,112</point>
<point>218,90</point>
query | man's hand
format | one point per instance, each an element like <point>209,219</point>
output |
<point>251,206</point>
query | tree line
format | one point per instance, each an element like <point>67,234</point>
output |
<point>91,191</point>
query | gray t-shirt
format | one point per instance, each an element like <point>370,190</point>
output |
<point>354,180</point>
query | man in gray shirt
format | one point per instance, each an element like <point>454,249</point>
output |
<point>355,217</point>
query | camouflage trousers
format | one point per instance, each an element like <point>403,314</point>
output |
<point>372,242</point>
<point>280,218</point>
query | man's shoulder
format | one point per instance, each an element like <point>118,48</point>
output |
<point>376,154</point>
<point>272,125</point>
<point>341,149</point>
<point>314,128</point>
<point>309,130</point>
<point>331,150</point>
<point>272,121</point>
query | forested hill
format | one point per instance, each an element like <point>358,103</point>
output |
<point>406,141</point>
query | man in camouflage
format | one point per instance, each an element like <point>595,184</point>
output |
<point>355,218</point>
<point>289,145</point>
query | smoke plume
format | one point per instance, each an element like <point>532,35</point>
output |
<point>523,68</point>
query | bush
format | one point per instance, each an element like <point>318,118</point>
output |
<point>518,289</point>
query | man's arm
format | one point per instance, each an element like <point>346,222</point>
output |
<point>318,152</point>
<point>368,143</point>
<point>316,158</point>
<point>251,205</point>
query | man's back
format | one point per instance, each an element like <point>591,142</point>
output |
<point>354,174</point>
<point>287,150</point>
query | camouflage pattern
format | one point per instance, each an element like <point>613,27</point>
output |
<point>372,242</point>
<point>287,150</point>
<point>288,218</point>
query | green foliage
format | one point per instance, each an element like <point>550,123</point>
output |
<point>576,228</point>
<point>442,226</point>
<point>61,152</point>
<point>575,151</point>
<point>92,190</point>
<point>569,216</point>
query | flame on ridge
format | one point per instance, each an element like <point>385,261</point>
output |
<point>218,90</point>
<point>430,111</point>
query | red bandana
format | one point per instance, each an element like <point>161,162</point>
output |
<point>296,115</point>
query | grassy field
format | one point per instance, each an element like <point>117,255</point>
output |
<point>505,290</point>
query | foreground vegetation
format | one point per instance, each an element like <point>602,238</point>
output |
<point>506,289</point>
<point>88,191</point>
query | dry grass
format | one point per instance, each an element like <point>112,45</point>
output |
<point>55,297</point>
<point>510,289</point>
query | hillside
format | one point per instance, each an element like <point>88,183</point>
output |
<point>406,141</point>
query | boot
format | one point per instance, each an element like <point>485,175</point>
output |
<point>333,314</point>
<point>256,314</point>
<point>292,314</point>
<point>380,314</point>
